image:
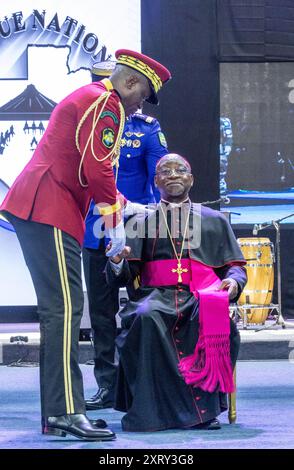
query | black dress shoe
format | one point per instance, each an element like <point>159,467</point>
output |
<point>77,425</point>
<point>211,425</point>
<point>102,399</point>
<point>98,423</point>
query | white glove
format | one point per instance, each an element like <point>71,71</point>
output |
<point>132,208</point>
<point>117,236</point>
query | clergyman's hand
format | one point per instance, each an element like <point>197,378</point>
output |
<point>230,285</point>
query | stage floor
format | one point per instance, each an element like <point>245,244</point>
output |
<point>265,414</point>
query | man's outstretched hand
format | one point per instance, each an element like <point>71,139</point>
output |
<point>117,236</point>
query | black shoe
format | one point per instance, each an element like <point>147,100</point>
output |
<point>98,423</point>
<point>211,425</point>
<point>102,399</point>
<point>77,425</point>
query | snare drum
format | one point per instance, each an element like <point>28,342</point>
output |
<point>259,254</point>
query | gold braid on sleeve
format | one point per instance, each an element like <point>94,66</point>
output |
<point>115,151</point>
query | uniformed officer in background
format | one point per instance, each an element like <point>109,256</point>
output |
<point>142,145</point>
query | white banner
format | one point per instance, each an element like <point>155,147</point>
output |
<point>47,48</point>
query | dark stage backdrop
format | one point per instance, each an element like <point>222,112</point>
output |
<point>182,35</point>
<point>255,30</point>
<point>192,38</point>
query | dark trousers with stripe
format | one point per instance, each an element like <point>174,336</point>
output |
<point>54,261</point>
<point>103,306</point>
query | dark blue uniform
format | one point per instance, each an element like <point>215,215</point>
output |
<point>143,144</point>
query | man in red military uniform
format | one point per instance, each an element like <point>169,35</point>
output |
<point>47,205</point>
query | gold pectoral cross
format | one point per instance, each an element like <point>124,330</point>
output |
<point>179,271</point>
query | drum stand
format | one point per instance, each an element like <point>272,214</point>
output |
<point>278,307</point>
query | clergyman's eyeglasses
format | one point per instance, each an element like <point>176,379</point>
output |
<point>174,171</point>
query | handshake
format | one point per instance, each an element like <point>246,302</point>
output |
<point>116,249</point>
<point>125,253</point>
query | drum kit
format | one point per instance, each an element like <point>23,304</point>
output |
<point>255,303</point>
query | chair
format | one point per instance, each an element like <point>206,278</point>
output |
<point>232,413</point>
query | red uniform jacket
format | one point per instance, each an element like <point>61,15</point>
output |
<point>48,189</point>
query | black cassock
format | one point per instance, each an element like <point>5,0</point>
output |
<point>160,326</point>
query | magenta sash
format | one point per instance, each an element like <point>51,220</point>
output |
<point>159,273</point>
<point>209,367</point>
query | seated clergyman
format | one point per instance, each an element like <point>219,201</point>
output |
<point>178,346</point>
